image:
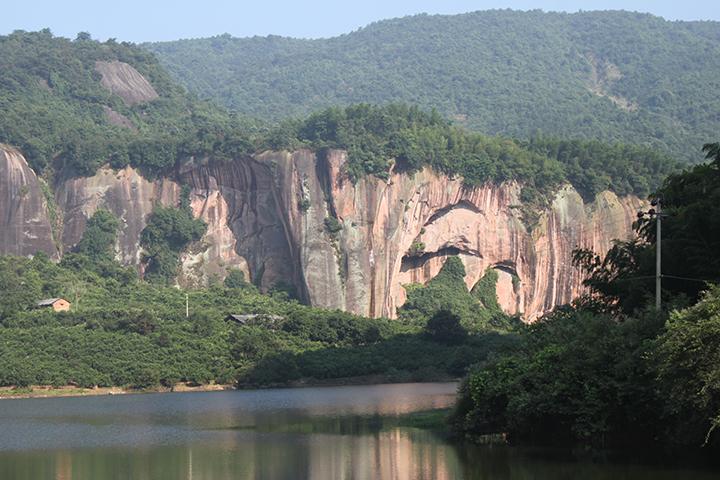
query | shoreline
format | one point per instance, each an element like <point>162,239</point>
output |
<point>378,379</point>
<point>48,391</point>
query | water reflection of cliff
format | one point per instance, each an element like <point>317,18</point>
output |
<point>390,454</point>
<point>394,454</point>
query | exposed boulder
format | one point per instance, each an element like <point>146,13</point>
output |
<point>125,82</point>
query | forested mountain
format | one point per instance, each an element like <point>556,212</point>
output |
<point>612,76</point>
<point>76,105</point>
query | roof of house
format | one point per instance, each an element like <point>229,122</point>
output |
<point>48,302</point>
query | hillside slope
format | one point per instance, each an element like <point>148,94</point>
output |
<point>612,76</point>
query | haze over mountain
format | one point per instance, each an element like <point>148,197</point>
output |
<point>614,76</point>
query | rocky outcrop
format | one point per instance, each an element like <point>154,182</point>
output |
<point>211,258</point>
<point>603,74</point>
<point>126,193</point>
<point>25,225</point>
<point>125,82</point>
<point>295,218</point>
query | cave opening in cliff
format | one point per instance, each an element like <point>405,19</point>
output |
<point>416,261</point>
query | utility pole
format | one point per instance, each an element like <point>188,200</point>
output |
<point>658,262</point>
<point>656,212</point>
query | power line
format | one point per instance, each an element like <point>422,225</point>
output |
<point>689,279</point>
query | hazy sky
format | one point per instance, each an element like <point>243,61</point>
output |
<point>149,20</point>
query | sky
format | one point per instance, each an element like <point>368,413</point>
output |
<point>158,20</point>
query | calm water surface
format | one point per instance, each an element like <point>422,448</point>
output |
<point>320,433</point>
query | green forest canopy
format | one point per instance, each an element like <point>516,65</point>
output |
<point>54,108</point>
<point>55,111</point>
<point>612,76</point>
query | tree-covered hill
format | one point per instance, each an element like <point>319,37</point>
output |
<point>57,110</point>
<point>611,76</point>
<point>62,109</point>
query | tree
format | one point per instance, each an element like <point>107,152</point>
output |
<point>20,285</point>
<point>98,240</point>
<point>235,279</point>
<point>688,356</point>
<point>445,327</point>
<point>168,232</point>
<point>577,376</point>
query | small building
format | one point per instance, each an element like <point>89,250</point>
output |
<point>57,304</point>
<point>254,319</point>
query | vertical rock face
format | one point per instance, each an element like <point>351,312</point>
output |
<point>125,193</point>
<point>295,218</point>
<point>302,191</point>
<point>215,253</point>
<point>246,190</point>
<point>25,226</point>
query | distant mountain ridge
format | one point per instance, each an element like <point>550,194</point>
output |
<point>613,75</point>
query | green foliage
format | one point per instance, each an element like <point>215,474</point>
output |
<point>400,358</point>
<point>304,205</point>
<point>123,331</point>
<point>445,327</point>
<point>55,109</point>
<point>577,376</point>
<point>688,356</point>
<point>375,136</point>
<point>610,371</point>
<point>500,72</point>
<point>20,285</point>
<point>581,376</point>
<point>417,248</point>
<point>447,291</point>
<point>98,240</point>
<point>485,290</point>
<point>332,225</point>
<point>168,232</point>
<point>592,166</point>
<point>235,279</point>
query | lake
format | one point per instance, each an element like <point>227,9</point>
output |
<point>321,433</point>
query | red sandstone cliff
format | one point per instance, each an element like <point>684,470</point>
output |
<point>364,269</point>
<point>266,215</point>
<point>25,226</point>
